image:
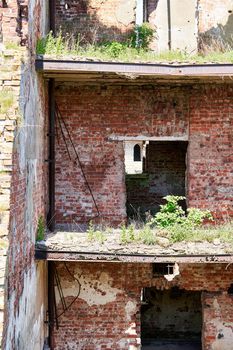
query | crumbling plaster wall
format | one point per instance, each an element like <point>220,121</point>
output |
<point>23,283</point>
<point>106,313</point>
<point>215,23</point>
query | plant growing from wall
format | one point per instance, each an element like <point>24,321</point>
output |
<point>40,229</point>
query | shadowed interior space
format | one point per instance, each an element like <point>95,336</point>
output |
<point>163,173</point>
<point>171,319</point>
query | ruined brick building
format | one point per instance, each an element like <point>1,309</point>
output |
<point>67,128</point>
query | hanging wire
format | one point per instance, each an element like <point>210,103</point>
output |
<point>77,158</point>
<point>59,286</point>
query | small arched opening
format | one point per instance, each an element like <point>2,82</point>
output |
<point>137,153</point>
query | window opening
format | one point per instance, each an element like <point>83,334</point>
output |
<point>137,153</point>
<point>134,157</point>
<point>161,269</point>
<point>171,319</point>
<point>145,11</point>
<point>153,170</point>
<point>230,290</point>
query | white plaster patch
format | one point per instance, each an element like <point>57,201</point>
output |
<point>176,271</point>
<point>224,336</point>
<point>132,329</point>
<point>93,291</point>
<point>130,309</point>
<point>125,12</point>
<point>216,306</point>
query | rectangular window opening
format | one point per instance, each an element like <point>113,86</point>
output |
<point>153,170</point>
<point>161,269</point>
<point>171,319</point>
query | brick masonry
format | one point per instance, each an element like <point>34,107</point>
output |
<point>204,114</point>
<point>105,20</point>
<point>22,170</point>
<point>106,315</point>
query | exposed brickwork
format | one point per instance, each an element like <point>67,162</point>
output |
<point>93,114</point>
<point>95,20</point>
<point>210,156</point>
<point>22,171</point>
<point>9,89</point>
<point>14,21</point>
<point>107,313</point>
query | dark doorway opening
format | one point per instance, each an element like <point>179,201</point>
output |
<point>164,173</point>
<point>171,319</point>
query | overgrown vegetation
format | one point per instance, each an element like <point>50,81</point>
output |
<point>40,229</point>
<point>171,224</point>
<point>135,48</point>
<point>174,220</point>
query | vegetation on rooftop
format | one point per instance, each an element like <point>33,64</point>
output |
<point>134,49</point>
<point>170,225</point>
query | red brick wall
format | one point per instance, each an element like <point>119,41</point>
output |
<point>93,114</point>
<point>95,20</point>
<point>210,156</point>
<point>14,21</point>
<point>107,313</point>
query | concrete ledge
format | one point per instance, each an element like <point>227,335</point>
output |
<point>132,71</point>
<point>137,258</point>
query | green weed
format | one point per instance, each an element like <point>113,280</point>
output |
<point>142,36</point>
<point>40,229</point>
<point>146,235</point>
<point>95,235</point>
